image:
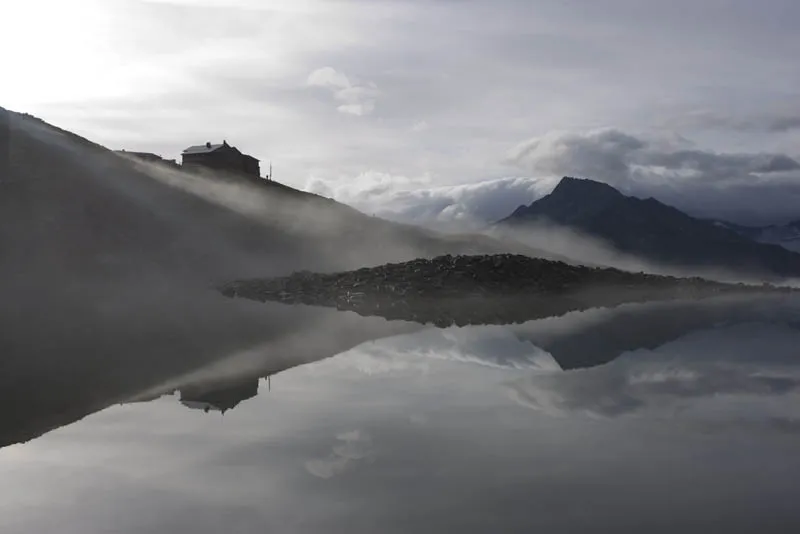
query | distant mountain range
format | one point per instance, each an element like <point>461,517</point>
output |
<point>785,235</point>
<point>654,231</point>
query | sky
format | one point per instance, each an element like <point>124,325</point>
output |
<point>440,112</point>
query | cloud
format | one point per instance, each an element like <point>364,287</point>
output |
<point>745,187</point>
<point>354,99</point>
<point>418,200</point>
<point>351,448</point>
<point>749,188</point>
<point>772,122</point>
<point>420,126</point>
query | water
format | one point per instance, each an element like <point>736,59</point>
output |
<point>671,417</point>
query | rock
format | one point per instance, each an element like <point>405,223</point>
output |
<point>469,289</point>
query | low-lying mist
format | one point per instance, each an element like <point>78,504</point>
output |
<point>583,249</point>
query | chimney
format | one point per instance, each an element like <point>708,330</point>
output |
<point>208,144</point>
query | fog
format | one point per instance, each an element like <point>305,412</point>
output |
<point>580,248</point>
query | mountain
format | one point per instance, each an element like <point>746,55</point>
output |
<point>785,235</point>
<point>654,231</point>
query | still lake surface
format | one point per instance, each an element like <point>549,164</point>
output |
<point>660,417</point>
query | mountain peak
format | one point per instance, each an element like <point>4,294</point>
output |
<point>584,186</point>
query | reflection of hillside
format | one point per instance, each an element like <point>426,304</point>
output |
<point>39,398</point>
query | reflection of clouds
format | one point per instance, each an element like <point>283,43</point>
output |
<point>488,346</point>
<point>376,359</point>
<point>351,447</point>
<point>710,371</point>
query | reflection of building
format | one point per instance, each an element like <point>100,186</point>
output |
<point>218,397</point>
<point>220,157</point>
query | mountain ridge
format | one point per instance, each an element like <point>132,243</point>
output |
<point>652,230</point>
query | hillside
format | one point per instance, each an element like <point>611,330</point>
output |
<point>651,230</point>
<point>108,267</point>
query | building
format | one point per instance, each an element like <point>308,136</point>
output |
<point>223,157</point>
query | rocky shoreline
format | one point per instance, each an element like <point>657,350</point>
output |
<point>488,289</point>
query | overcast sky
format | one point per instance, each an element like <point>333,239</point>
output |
<point>436,110</point>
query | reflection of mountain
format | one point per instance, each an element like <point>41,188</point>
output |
<point>595,337</point>
<point>668,356</point>
<point>753,365</point>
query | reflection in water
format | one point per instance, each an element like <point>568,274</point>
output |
<point>748,363</point>
<point>219,398</point>
<point>658,417</point>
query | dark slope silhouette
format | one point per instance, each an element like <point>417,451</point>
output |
<point>653,231</point>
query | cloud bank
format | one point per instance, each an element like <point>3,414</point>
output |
<point>748,188</point>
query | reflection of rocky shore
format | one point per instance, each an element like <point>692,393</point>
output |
<point>462,290</point>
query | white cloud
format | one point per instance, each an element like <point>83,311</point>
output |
<point>493,347</point>
<point>351,448</point>
<point>328,77</point>
<point>419,200</point>
<point>420,126</point>
<point>354,99</point>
